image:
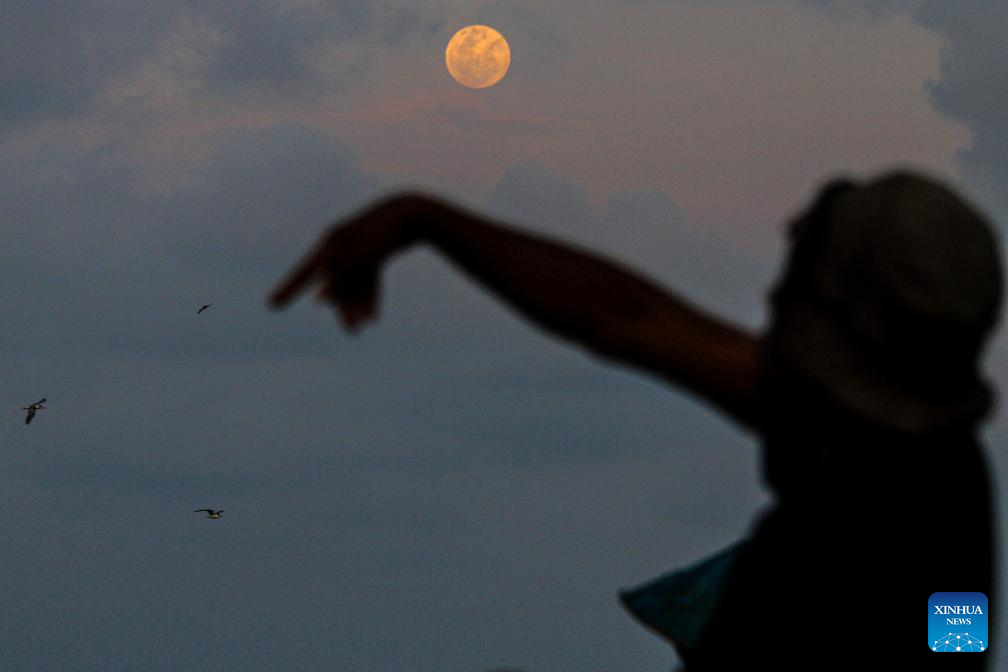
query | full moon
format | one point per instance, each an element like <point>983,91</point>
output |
<point>477,56</point>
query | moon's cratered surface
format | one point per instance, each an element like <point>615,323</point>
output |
<point>477,56</point>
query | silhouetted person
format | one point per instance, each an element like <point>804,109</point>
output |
<point>865,392</point>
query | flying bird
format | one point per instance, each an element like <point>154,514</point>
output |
<point>210,513</point>
<point>31,409</point>
<point>203,308</point>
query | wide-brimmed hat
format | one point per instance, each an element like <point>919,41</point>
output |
<point>888,297</point>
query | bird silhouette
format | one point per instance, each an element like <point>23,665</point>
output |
<point>203,308</point>
<point>211,513</point>
<point>32,408</point>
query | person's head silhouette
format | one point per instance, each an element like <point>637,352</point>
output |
<point>890,292</point>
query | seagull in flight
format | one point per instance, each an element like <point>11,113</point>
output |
<point>31,409</point>
<point>210,513</point>
<point>203,308</point>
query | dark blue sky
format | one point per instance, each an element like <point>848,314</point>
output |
<point>449,489</point>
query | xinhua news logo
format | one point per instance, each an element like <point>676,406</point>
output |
<point>957,622</point>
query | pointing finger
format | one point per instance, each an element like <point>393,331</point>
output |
<point>298,278</point>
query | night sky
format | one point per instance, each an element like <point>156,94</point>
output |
<point>448,490</point>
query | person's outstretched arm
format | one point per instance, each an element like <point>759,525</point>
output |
<point>593,302</point>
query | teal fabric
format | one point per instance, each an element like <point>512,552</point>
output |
<point>679,604</point>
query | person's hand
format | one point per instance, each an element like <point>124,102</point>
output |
<point>345,264</point>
